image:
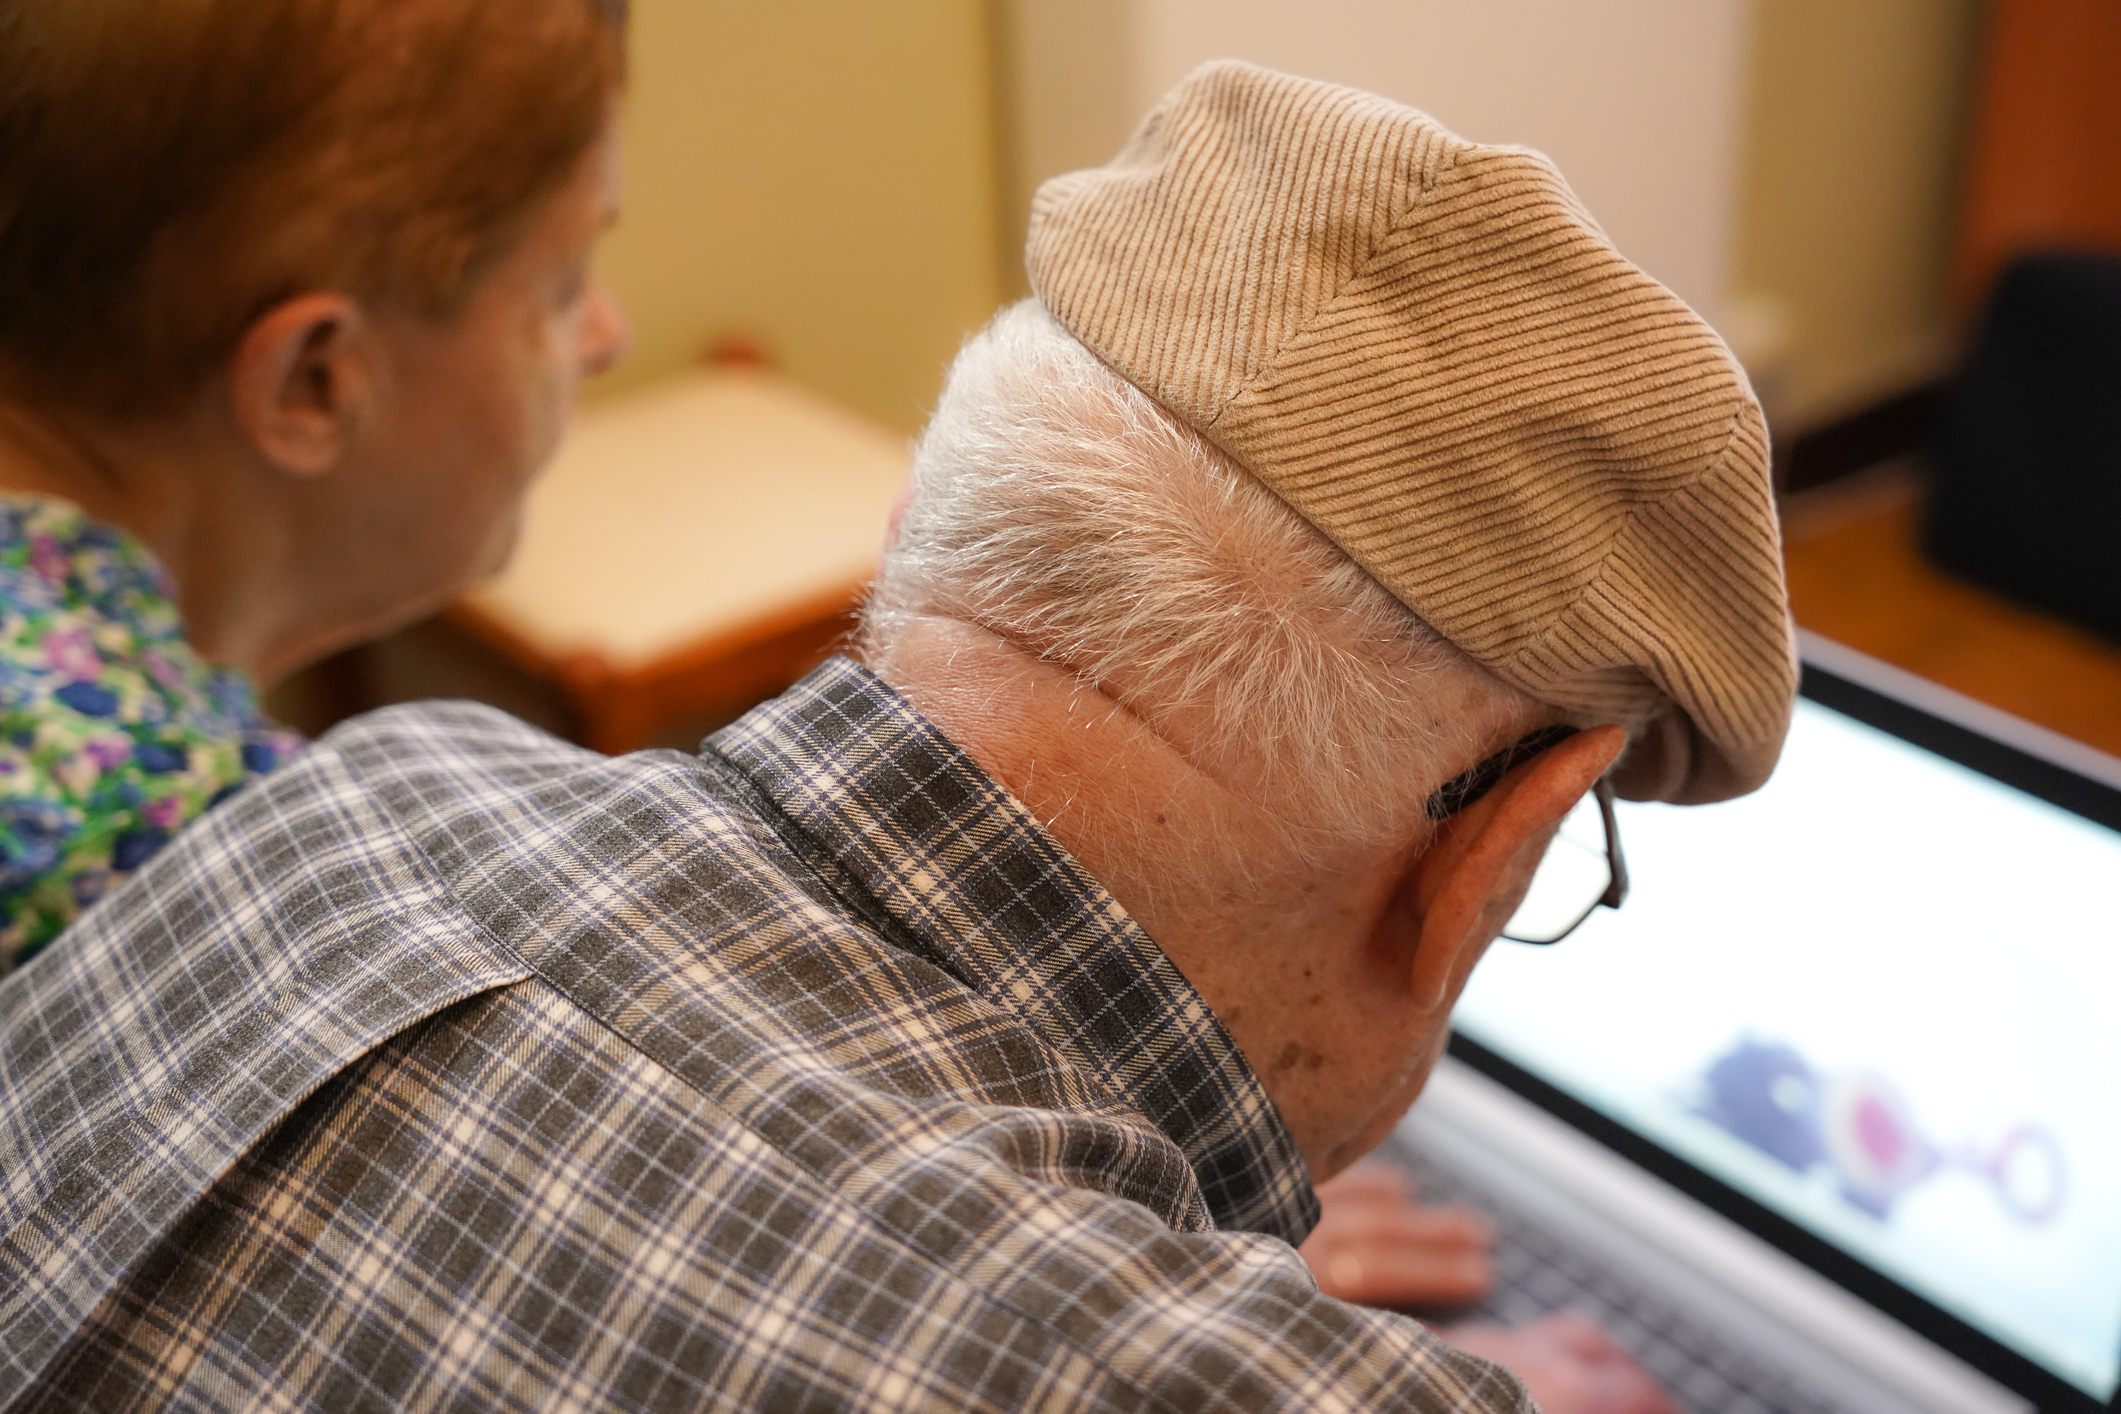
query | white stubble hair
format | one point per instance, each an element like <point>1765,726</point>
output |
<point>1058,506</point>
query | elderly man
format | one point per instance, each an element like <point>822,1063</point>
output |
<point>965,1030</point>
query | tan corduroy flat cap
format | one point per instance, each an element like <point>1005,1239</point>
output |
<point>1428,348</point>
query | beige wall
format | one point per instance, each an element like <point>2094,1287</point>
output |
<point>1638,100</point>
<point>1065,82</point>
<point>1789,166</point>
<point>836,179</point>
<point>817,175</point>
<point>1849,188</point>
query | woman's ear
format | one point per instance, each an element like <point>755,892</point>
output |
<point>1474,873</point>
<point>302,382</point>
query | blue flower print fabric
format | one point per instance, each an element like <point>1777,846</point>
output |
<point>113,732</point>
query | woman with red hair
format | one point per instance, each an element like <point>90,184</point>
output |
<point>294,298</point>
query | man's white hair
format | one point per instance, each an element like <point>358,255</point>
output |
<point>1059,507</point>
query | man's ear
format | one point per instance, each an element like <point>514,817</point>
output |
<point>1482,858</point>
<point>302,380</point>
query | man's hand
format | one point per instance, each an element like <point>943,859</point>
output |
<point>1375,1245</point>
<point>1569,1365</point>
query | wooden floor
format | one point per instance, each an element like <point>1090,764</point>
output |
<point>1856,577</point>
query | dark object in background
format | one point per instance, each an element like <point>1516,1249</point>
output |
<point>1894,426</point>
<point>2027,492</point>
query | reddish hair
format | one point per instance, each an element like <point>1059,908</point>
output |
<point>171,169</point>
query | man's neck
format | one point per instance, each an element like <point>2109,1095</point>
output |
<point>1111,788</point>
<point>1271,940</point>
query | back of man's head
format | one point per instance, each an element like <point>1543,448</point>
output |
<point>1357,440</point>
<point>171,168</point>
<point>1062,509</point>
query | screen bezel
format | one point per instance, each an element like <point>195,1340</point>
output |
<point>1999,761</point>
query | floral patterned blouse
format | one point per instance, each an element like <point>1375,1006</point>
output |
<point>113,732</point>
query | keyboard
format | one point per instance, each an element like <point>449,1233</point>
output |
<point>1537,1273</point>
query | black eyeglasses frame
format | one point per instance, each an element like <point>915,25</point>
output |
<point>1470,785</point>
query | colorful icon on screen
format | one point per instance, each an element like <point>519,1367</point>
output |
<point>1858,1126</point>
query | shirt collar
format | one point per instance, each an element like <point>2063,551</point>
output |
<point>957,859</point>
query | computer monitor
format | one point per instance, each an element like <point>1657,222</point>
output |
<point>1872,1012</point>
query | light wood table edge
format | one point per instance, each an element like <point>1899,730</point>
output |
<point>618,708</point>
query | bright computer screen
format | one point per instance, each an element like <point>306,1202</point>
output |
<point>1879,997</point>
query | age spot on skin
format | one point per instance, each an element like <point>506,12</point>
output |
<point>1290,1055</point>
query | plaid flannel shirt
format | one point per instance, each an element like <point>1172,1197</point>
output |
<point>457,1067</point>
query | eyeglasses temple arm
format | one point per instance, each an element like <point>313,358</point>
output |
<point>1616,892</point>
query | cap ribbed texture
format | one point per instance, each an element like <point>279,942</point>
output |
<point>1430,350</point>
